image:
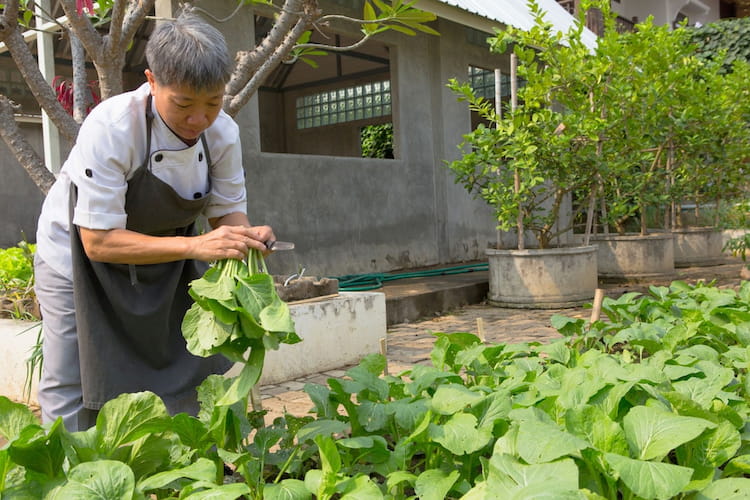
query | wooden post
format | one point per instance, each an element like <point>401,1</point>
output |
<point>384,352</point>
<point>516,174</point>
<point>480,330</point>
<point>256,401</point>
<point>596,310</point>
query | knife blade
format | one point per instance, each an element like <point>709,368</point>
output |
<point>276,245</point>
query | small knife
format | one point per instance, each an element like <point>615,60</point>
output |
<point>275,245</point>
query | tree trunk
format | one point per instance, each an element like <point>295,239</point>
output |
<point>21,149</point>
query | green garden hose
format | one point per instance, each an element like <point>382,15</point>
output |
<point>373,281</point>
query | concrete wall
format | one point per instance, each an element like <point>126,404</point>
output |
<point>20,199</point>
<point>354,215</point>
<point>665,11</point>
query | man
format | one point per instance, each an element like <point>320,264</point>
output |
<point>116,243</point>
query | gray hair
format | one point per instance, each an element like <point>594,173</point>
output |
<point>188,51</point>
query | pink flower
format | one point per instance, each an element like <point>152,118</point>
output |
<point>88,5</point>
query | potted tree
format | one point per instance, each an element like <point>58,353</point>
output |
<point>710,168</point>
<point>644,83</point>
<point>529,159</point>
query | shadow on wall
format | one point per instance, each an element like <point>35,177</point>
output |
<point>20,202</point>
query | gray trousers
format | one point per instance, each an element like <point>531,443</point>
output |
<point>60,393</point>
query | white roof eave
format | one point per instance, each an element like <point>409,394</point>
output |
<point>485,15</point>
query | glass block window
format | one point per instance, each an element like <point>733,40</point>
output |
<point>359,102</point>
<point>483,82</point>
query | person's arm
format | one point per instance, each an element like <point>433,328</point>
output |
<point>227,241</point>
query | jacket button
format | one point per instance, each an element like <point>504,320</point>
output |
<point>158,157</point>
<point>200,156</point>
<point>88,172</point>
<point>197,196</point>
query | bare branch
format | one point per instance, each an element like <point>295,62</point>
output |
<point>83,28</point>
<point>80,84</point>
<point>249,61</point>
<point>233,103</point>
<point>21,149</point>
<point>115,24</point>
<point>334,48</point>
<point>135,17</point>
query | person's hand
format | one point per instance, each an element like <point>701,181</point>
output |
<point>230,242</point>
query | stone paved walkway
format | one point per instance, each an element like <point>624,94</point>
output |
<point>410,343</point>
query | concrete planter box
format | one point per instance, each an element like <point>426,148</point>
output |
<point>697,246</point>
<point>542,279</point>
<point>18,339</point>
<point>632,257</point>
<point>335,332</point>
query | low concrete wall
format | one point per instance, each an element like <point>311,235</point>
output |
<point>335,332</point>
<point>18,339</point>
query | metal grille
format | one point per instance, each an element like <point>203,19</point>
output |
<point>483,82</point>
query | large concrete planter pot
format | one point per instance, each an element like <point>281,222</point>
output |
<point>542,279</point>
<point>697,246</point>
<point>632,257</point>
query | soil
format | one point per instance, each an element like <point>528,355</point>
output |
<point>305,287</point>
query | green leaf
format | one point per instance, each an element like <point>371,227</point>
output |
<point>321,428</point>
<point>288,489</point>
<point>221,492</point>
<point>594,425</point>
<point>100,480</point>
<point>650,479</point>
<point>330,458</point>
<point>372,416</point>
<point>38,450</point>
<point>402,29</point>
<point>460,435</point>
<point>255,293</point>
<point>434,484</point>
<point>246,380</point>
<point>508,478</point>
<point>715,447</point>
<point>734,488</point>
<point>567,326</point>
<point>652,433</point>
<point>129,417</point>
<point>202,470</point>
<point>276,317</point>
<point>400,476</point>
<point>452,398</point>
<point>556,443</point>
<point>212,286</point>
<point>203,331</point>
<point>362,488</point>
<point>14,417</point>
<point>738,466</point>
<point>369,12</point>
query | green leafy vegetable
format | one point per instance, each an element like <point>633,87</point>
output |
<point>237,310</point>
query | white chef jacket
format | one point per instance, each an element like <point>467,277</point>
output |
<point>110,147</point>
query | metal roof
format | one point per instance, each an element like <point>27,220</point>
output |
<point>516,13</point>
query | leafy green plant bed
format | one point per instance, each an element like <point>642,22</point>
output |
<point>651,402</point>
<point>17,299</point>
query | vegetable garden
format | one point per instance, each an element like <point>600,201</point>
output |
<point>651,402</point>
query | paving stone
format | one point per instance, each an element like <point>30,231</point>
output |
<point>293,385</point>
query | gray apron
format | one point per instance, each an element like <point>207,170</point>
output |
<point>129,317</point>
